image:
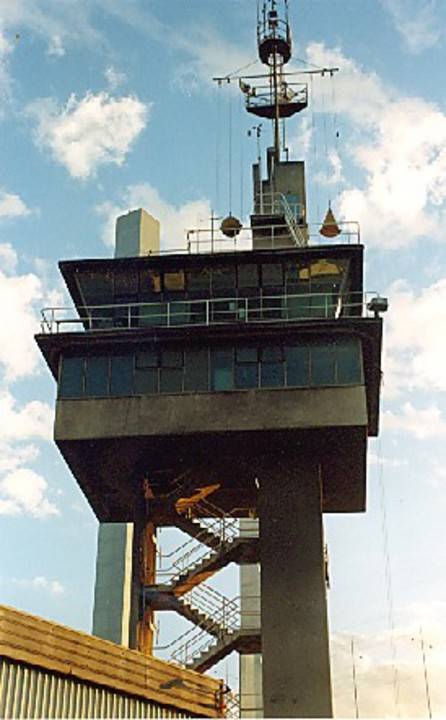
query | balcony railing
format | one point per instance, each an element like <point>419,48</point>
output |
<point>218,311</point>
<point>211,240</point>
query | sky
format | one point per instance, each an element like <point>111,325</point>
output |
<point>108,105</point>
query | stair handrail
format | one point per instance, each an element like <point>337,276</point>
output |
<point>294,227</point>
<point>205,598</point>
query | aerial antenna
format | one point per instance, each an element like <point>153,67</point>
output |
<point>274,95</point>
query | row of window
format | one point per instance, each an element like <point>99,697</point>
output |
<point>183,312</point>
<point>223,281</point>
<point>212,369</point>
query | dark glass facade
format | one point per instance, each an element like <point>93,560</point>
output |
<point>213,369</point>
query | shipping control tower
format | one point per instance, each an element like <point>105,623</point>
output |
<point>235,378</point>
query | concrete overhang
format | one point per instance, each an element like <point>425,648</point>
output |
<point>112,444</point>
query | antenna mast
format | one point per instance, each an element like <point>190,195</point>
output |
<point>274,47</point>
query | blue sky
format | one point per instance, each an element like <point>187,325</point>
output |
<point>107,105</point>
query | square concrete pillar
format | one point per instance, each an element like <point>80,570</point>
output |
<point>295,646</point>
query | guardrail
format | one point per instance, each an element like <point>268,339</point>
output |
<point>212,240</point>
<point>215,311</point>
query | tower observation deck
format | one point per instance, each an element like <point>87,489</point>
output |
<point>236,377</point>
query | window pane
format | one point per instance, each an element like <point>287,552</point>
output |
<point>172,359</point>
<point>71,377</point>
<point>248,276</point>
<point>149,284</point>
<point>247,376</point>
<point>179,313</point>
<point>273,374</point>
<point>246,354</point>
<point>223,281</point>
<point>222,371</point>
<point>152,314</point>
<point>272,354</point>
<point>97,376</point>
<point>199,283</point>
<point>323,364</point>
<point>171,380</point>
<point>348,353</point>
<point>174,280</point>
<point>196,370</point>
<point>298,366</point>
<point>298,306</point>
<point>272,307</point>
<point>121,382</point>
<point>146,381</point>
<point>149,358</point>
<point>272,274</point>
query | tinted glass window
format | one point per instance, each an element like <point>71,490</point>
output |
<point>149,358</point>
<point>323,364</point>
<point>222,370</point>
<point>121,379</point>
<point>247,376</point>
<point>246,354</point>
<point>199,283</point>
<point>297,366</point>
<point>96,384</point>
<point>71,377</point>
<point>171,380</point>
<point>172,359</point>
<point>223,281</point>
<point>348,354</point>
<point>273,374</point>
<point>153,314</point>
<point>146,381</point>
<point>174,281</point>
<point>272,275</point>
<point>248,276</point>
<point>149,284</point>
<point>196,371</point>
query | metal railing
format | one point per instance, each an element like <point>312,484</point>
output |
<point>214,311</point>
<point>223,526</point>
<point>196,641</point>
<point>260,96</point>
<point>211,240</point>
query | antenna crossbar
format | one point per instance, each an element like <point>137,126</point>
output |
<point>322,71</point>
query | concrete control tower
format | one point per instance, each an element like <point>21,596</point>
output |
<point>200,387</point>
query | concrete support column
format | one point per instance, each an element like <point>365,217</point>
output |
<point>295,646</point>
<point>250,666</point>
<point>112,593</point>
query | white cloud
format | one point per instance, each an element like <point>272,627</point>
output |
<point>87,133</point>
<point>55,46</point>
<point>40,582</point>
<point>399,145</point>
<point>374,459</point>
<point>421,423</point>
<point>33,420</point>
<point>19,299</point>
<point>22,492</point>
<point>416,21</point>
<point>12,205</point>
<point>6,48</point>
<point>57,23</point>
<point>174,220</point>
<point>114,78</point>
<point>8,257</point>
<point>389,670</point>
<point>415,341</point>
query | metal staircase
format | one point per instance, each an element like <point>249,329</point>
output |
<point>214,542</point>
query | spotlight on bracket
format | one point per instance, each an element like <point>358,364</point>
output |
<point>378,305</point>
